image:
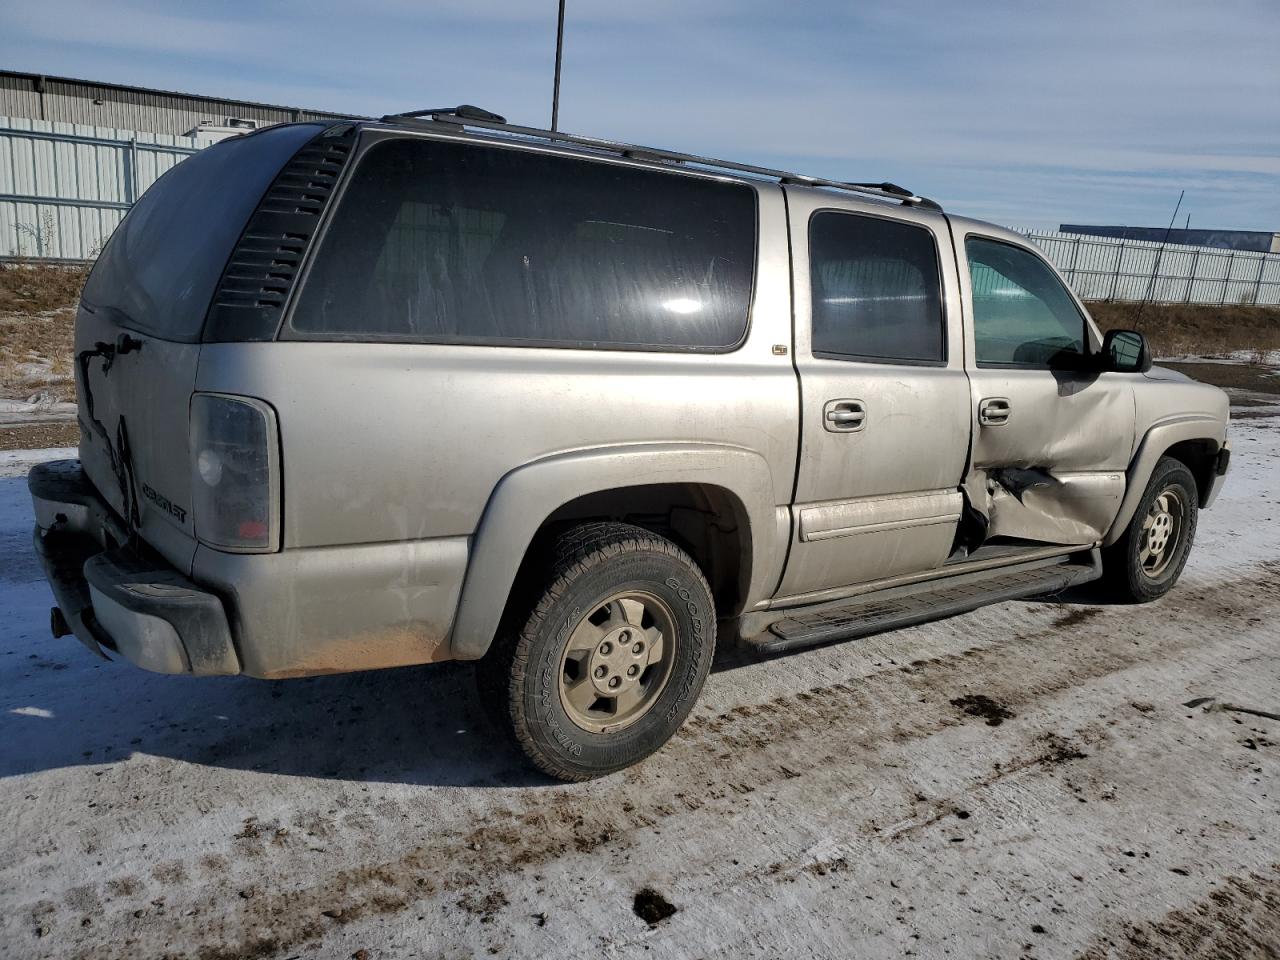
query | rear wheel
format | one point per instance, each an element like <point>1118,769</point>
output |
<point>1148,559</point>
<point>611,657</point>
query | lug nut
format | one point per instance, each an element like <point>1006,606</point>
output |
<point>638,649</point>
<point>606,648</point>
<point>614,682</point>
<point>624,636</point>
<point>632,670</point>
<point>601,671</point>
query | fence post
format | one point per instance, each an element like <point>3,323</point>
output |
<point>1075,255</point>
<point>1115,279</point>
<point>133,169</point>
<point>1257,283</point>
<point>1191,278</point>
<point>1226,280</point>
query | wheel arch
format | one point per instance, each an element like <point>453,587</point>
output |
<point>1193,439</point>
<point>715,501</point>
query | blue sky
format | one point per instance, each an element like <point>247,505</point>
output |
<point>1020,111</point>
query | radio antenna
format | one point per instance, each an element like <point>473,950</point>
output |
<point>555,93</point>
<point>1155,270</point>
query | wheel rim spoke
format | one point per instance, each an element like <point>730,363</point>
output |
<point>581,693</point>
<point>630,610</point>
<point>628,700</point>
<point>654,644</point>
<point>585,637</point>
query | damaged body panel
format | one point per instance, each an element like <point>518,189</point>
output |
<point>1052,433</point>
<point>1053,469</point>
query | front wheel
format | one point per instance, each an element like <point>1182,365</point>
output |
<point>611,658</point>
<point>1146,561</point>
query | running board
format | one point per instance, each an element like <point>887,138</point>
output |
<point>897,607</point>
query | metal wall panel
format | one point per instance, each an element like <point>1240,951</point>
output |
<point>131,108</point>
<point>64,187</point>
<point>18,97</point>
<point>1100,268</point>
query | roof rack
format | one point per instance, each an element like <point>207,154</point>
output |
<point>467,115</point>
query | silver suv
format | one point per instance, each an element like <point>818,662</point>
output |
<point>437,387</point>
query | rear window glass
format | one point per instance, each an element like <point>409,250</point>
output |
<point>160,267</point>
<point>449,242</point>
<point>876,290</point>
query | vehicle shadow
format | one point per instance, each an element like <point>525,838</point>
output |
<point>425,725</point>
<point>417,725</point>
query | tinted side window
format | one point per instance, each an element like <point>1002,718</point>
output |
<point>449,242</point>
<point>161,265</point>
<point>876,291</point>
<point>1022,314</point>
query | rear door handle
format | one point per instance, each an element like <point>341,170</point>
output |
<point>994,411</point>
<point>844,416</point>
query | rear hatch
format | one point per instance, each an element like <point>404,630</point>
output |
<point>140,323</point>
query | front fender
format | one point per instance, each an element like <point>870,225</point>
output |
<point>526,496</point>
<point>1157,440</point>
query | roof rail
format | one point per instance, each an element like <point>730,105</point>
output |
<point>467,115</point>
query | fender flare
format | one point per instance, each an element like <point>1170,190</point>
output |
<point>1159,438</point>
<point>526,496</point>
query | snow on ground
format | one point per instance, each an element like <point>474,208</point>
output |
<point>839,802</point>
<point>42,406</point>
<point>16,463</point>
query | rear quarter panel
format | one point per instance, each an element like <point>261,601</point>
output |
<point>385,442</point>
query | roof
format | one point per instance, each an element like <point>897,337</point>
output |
<point>458,119</point>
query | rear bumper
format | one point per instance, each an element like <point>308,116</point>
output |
<point>298,612</point>
<point>117,598</point>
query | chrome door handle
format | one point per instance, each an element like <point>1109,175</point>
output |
<point>844,416</point>
<point>994,411</point>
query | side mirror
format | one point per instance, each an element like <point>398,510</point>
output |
<point>1125,351</point>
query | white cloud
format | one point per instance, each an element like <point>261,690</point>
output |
<point>1062,105</point>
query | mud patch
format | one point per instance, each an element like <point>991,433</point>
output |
<point>1239,919</point>
<point>982,706</point>
<point>483,907</point>
<point>652,907</point>
<point>1075,617</point>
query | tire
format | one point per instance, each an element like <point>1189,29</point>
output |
<point>1132,572</point>
<point>616,603</point>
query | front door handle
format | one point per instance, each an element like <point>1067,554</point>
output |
<point>844,416</point>
<point>994,411</point>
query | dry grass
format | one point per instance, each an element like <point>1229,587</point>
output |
<point>36,288</point>
<point>37,316</point>
<point>1181,330</point>
<point>37,313</point>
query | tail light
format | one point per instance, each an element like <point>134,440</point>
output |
<point>235,473</point>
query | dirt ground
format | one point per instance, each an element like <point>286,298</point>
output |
<point>1060,778</point>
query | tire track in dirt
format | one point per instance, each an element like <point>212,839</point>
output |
<point>1238,921</point>
<point>719,762</point>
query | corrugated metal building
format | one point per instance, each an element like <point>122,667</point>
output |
<point>60,99</point>
<point>1258,241</point>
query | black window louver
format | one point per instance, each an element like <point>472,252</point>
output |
<point>264,265</point>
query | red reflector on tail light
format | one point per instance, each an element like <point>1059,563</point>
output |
<point>252,529</point>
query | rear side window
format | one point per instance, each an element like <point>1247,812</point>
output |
<point>875,287</point>
<point>160,267</point>
<point>449,242</point>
